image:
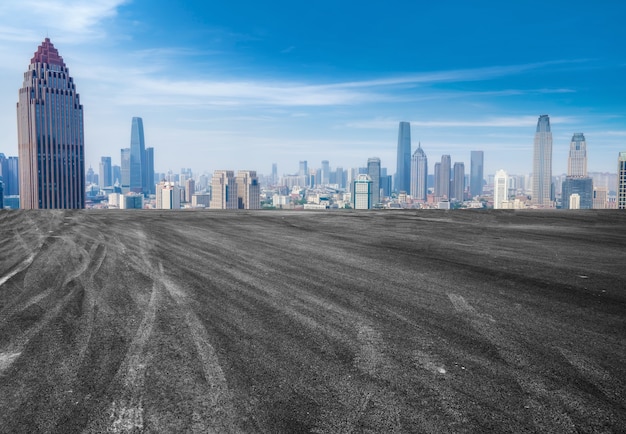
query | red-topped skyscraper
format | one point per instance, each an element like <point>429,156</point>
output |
<point>50,135</point>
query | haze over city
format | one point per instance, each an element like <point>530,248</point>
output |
<point>239,86</point>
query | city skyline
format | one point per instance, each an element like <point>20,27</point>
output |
<point>233,86</point>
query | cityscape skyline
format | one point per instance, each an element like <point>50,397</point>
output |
<point>238,88</point>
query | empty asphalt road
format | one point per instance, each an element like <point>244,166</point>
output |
<point>325,322</point>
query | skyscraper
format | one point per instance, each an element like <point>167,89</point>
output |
<point>373,170</point>
<point>458,182</point>
<point>577,182</point>
<point>476,173</point>
<point>125,170</point>
<point>149,185</point>
<point>542,163</point>
<point>500,189</point>
<point>137,156</point>
<point>248,190</point>
<point>224,190</point>
<point>577,160</point>
<point>419,174</point>
<point>621,181</point>
<point>442,185</point>
<point>403,168</point>
<point>325,175</point>
<point>303,169</point>
<point>50,135</point>
<point>106,173</point>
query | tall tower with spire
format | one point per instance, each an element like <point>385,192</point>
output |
<point>419,174</point>
<point>50,134</point>
<point>542,163</point>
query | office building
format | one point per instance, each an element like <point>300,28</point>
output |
<point>167,195</point>
<point>621,181</point>
<point>50,135</point>
<point>373,171</point>
<point>248,190</point>
<point>403,167</point>
<point>577,182</point>
<point>224,190</point>
<point>600,197</point>
<point>577,159</point>
<point>125,170</point>
<point>574,201</point>
<point>500,189</point>
<point>362,192</point>
<point>303,168</point>
<point>190,189</point>
<point>149,185</point>
<point>1,193</point>
<point>325,174</point>
<point>542,164</point>
<point>137,155</point>
<point>419,174</point>
<point>476,173</point>
<point>106,172</point>
<point>442,183</point>
<point>9,171</point>
<point>458,182</point>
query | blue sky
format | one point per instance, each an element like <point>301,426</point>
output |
<point>243,84</point>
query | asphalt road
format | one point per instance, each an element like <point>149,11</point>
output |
<point>385,321</point>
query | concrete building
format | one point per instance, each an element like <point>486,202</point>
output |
<point>442,178</point>
<point>600,197</point>
<point>125,170</point>
<point>542,164</point>
<point>574,201</point>
<point>458,182</point>
<point>224,190</point>
<point>419,174</point>
<point>9,171</point>
<point>190,189</point>
<point>201,200</point>
<point>131,201</point>
<point>248,190</point>
<point>403,167</point>
<point>106,173</point>
<point>50,134</point>
<point>577,181</point>
<point>362,192</point>
<point>500,189</point>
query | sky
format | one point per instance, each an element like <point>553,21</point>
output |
<point>243,84</point>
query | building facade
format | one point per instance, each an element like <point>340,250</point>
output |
<point>542,164</point>
<point>458,182</point>
<point>106,172</point>
<point>50,134</point>
<point>500,189</point>
<point>224,190</point>
<point>248,190</point>
<point>403,166</point>
<point>621,181</point>
<point>362,192</point>
<point>167,195</point>
<point>419,174</point>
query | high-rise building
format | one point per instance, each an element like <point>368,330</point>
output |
<point>50,134</point>
<point>373,170</point>
<point>137,155</point>
<point>167,195</point>
<point>403,167</point>
<point>476,173</point>
<point>274,173</point>
<point>419,174</point>
<point>106,173</point>
<point>577,182</point>
<point>303,169</point>
<point>116,172</point>
<point>224,190</point>
<point>190,189</point>
<point>325,175</point>
<point>442,184</point>
<point>542,164</point>
<point>340,177</point>
<point>500,189</point>
<point>436,180</point>
<point>362,192</point>
<point>458,182</point>
<point>577,160</point>
<point>621,181</point>
<point>1,193</point>
<point>149,185</point>
<point>91,177</point>
<point>125,170</point>
<point>248,190</point>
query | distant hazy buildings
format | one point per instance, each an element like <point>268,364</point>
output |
<point>419,174</point>
<point>149,185</point>
<point>224,190</point>
<point>106,172</point>
<point>542,164</point>
<point>248,190</point>
<point>9,172</point>
<point>50,135</point>
<point>125,170</point>
<point>403,168</point>
<point>373,171</point>
<point>500,189</point>
<point>442,178</point>
<point>362,192</point>
<point>476,173</point>
<point>621,181</point>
